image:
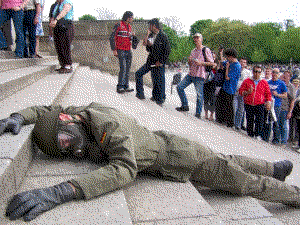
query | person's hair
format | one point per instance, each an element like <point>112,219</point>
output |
<point>155,22</point>
<point>258,67</point>
<point>127,15</point>
<point>287,71</point>
<point>231,52</point>
<point>243,58</point>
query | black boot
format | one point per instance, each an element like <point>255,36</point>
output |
<point>282,169</point>
<point>183,109</point>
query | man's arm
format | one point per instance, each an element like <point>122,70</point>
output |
<point>38,8</point>
<point>113,36</point>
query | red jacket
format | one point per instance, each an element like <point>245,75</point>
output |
<point>121,37</point>
<point>261,92</point>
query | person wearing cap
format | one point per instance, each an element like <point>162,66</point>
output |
<point>105,135</point>
<point>158,46</point>
<point>120,43</point>
<point>197,75</point>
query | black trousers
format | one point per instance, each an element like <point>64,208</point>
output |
<point>209,96</point>
<point>224,108</point>
<point>255,115</point>
<point>63,37</point>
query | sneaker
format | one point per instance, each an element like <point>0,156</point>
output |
<point>282,169</point>
<point>152,99</point>
<point>65,70</point>
<point>198,116</point>
<point>120,90</point>
<point>182,109</point>
<point>58,69</point>
<point>129,89</point>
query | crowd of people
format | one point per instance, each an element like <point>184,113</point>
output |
<point>27,19</point>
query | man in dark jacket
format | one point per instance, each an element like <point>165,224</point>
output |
<point>106,135</point>
<point>157,44</point>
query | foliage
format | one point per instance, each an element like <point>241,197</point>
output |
<point>87,17</point>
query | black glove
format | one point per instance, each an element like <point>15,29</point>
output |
<point>12,124</point>
<point>30,204</point>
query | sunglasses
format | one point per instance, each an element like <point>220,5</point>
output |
<point>256,71</point>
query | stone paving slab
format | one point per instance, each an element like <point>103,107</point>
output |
<point>184,221</point>
<point>153,199</point>
<point>108,209</point>
<point>263,221</point>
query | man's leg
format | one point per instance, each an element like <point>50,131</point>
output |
<point>198,83</point>
<point>250,120</point>
<point>283,128</point>
<point>259,119</point>
<point>122,63</point>
<point>139,80</point>
<point>217,172</point>
<point>32,32</point>
<point>4,17</point>
<point>6,29</point>
<point>276,134</point>
<point>239,111</point>
<point>220,107</point>
<point>180,89</point>
<point>128,66</point>
<point>18,17</point>
<point>158,79</point>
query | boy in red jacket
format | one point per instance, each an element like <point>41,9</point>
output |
<point>257,96</point>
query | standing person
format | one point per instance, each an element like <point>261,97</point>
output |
<point>286,108</point>
<point>238,99</point>
<point>196,75</point>
<point>13,9</point>
<point>257,96</point>
<point>209,96</point>
<point>268,74</point>
<point>120,43</point>
<point>279,91</point>
<point>31,19</point>
<point>63,31</point>
<point>224,102</point>
<point>158,46</point>
<point>293,131</point>
<point>39,29</point>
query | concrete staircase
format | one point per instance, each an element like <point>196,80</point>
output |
<point>146,201</point>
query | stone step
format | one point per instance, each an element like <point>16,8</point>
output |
<point>18,149</point>
<point>12,82</point>
<point>11,54</point>
<point>12,64</point>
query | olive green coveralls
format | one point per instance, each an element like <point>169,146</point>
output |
<point>130,148</point>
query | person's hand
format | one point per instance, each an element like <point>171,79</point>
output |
<point>268,106</point>
<point>227,77</point>
<point>132,33</point>
<point>227,65</point>
<point>250,90</point>
<point>16,8</point>
<point>31,204</point>
<point>288,116</point>
<point>115,52</point>
<point>53,23</point>
<point>36,20</point>
<point>158,64</point>
<point>12,124</point>
<point>275,93</point>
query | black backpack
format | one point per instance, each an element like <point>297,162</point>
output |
<point>176,80</point>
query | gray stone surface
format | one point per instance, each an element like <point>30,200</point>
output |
<point>263,221</point>
<point>185,221</point>
<point>108,209</point>
<point>152,199</point>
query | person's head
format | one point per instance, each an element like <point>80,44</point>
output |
<point>198,39</point>
<point>154,25</point>
<point>127,17</point>
<point>275,74</point>
<point>286,76</point>
<point>230,54</point>
<point>57,136</point>
<point>268,73</point>
<point>256,72</point>
<point>296,82</point>
<point>243,62</point>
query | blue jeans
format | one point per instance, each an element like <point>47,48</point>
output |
<point>29,26</point>
<point>198,83</point>
<point>239,110</point>
<point>125,58</point>
<point>158,79</point>
<point>283,128</point>
<point>17,16</point>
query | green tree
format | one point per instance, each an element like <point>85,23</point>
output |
<point>87,17</point>
<point>258,56</point>
<point>288,23</point>
<point>287,46</point>
<point>200,25</point>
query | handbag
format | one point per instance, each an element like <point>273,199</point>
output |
<point>208,69</point>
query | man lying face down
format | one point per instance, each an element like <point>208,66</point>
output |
<point>102,133</point>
